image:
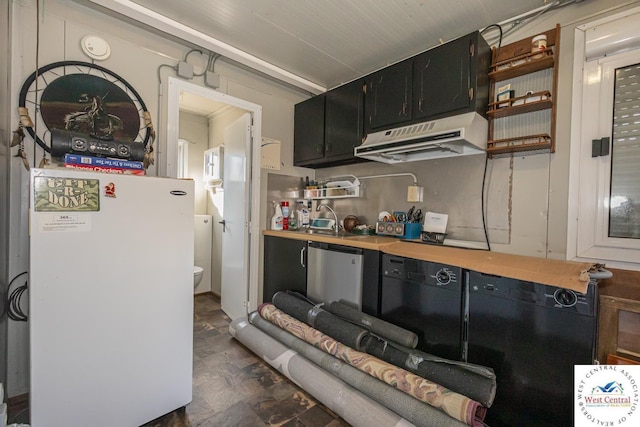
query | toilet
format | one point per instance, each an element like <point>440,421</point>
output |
<point>197,275</point>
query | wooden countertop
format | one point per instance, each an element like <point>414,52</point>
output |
<point>375,243</point>
<point>565,274</point>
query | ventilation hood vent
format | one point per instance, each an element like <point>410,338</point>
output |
<point>451,136</point>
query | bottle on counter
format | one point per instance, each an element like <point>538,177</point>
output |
<point>303,215</point>
<point>285,215</point>
<point>276,219</point>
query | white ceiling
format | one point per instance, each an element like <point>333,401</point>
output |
<point>330,42</point>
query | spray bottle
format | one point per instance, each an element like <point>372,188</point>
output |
<point>276,219</point>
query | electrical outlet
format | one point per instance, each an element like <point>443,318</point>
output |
<point>414,194</point>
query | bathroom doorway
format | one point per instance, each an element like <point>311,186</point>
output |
<point>186,99</point>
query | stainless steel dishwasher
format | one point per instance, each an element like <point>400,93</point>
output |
<point>334,272</point>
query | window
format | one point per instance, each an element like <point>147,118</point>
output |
<point>608,195</point>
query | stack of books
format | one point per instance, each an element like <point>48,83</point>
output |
<point>103,164</point>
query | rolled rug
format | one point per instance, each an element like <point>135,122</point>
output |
<point>411,409</point>
<point>355,408</point>
<point>303,310</point>
<point>474,381</point>
<point>379,327</point>
<point>455,405</point>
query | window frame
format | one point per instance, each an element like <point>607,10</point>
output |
<point>590,177</point>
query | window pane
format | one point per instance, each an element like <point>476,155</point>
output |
<point>624,204</point>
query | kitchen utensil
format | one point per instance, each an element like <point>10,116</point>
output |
<point>400,216</point>
<point>417,216</point>
<point>349,222</point>
<point>410,214</point>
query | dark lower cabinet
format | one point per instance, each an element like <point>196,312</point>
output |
<point>285,266</point>
<point>371,282</point>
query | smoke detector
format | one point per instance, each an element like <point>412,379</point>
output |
<point>95,47</point>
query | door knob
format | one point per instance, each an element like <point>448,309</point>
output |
<point>224,225</point>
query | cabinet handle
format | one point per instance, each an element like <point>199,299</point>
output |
<point>302,257</point>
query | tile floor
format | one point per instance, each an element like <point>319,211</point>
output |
<point>231,386</point>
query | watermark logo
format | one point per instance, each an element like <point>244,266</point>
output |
<point>607,395</point>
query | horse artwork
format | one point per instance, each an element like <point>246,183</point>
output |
<point>93,120</point>
<point>90,105</point>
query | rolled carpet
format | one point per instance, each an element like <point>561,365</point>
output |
<point>413,410</point>
<point>303,310</point>
<point>377,326</point>
<point>455,405</point>
<point>355,408</point>
<point>474,381</point>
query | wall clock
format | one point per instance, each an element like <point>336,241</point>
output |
<point>86,98</point>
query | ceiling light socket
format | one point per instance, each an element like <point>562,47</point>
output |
<point>414,194</point>
<point>185,70</point>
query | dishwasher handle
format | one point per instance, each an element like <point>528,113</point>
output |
<point>336,248</point>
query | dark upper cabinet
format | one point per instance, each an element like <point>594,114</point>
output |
<point>451,78</point>
<point>308,132</point>
<point>446,80</point>
<point>343,121</point>
<point>327,127</point>
<point>388,96</point>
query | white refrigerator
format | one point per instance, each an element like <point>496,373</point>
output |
<point>111,297</point>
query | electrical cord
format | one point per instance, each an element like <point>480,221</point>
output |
<point>14,300</point>
<point>484,221</point>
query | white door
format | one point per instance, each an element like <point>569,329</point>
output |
<point>235,230</point>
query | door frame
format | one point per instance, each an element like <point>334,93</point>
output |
<point>168,167</point>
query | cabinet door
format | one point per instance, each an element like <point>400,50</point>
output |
<point>388,96</point>
<point>308,134</point>
<point>343,121</point>
<point>442,79</point>
<point>285,266</point>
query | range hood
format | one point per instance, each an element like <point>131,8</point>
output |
<point>459,135</point>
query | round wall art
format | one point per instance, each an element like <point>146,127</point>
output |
<point>85,98</point>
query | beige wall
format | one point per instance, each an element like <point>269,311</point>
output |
<point>136,56</point>
<point>5,134</point>
<point>195,128</point>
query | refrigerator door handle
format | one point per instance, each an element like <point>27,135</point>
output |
<point>224,225</point>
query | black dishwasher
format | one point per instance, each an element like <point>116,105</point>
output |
<point>426,298</point>
<point>531,335</point>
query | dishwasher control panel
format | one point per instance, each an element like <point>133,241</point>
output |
<point>535,293</point>
<point>425,272</point>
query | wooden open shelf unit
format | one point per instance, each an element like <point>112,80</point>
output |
<point>516,60</point>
